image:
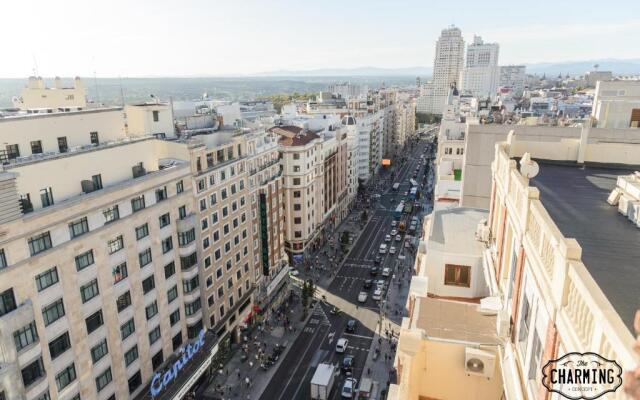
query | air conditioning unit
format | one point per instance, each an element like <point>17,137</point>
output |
<point>479,362</point>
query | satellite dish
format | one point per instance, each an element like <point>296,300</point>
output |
<point>475,365</point>
<point>528,167</point>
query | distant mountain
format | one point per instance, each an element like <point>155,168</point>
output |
<point>618,67</point>
<point>362,71</point>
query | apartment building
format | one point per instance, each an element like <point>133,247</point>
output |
<point>404,123</point>
<point>268,218</point>
<point>447,64</point>
<point>91,239</point>
<point>616,104</point>
<point>549,283</point>
<point>513,77</point>
<point>480,75</point>
<point>223,219</point>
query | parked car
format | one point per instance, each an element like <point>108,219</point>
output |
<point>362,297</point>
<point>383,249</point>
<point>352,325</point>
<point>398,238</point>
<point>392,250</point>
<point>349,388</point>
<point>374,271</point>
<point>386,272</point>
<point>387,238</point>
<point>341,346</point>
<point>367,284</point>
<point>377,260</point>
<point>377,295</point>
<point>394,232</point>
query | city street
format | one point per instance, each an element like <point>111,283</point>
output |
<point>317,341</point>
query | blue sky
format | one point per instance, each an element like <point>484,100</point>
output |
<point>198,37</point>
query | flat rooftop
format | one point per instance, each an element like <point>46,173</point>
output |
<point>454,229</point>
<point>576,199</point>
<point>455,320</point>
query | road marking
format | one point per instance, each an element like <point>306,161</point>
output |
<point>358,336</point>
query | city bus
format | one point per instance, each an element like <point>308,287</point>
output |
<point>398,212</point>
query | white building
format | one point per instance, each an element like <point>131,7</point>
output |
<point>447,65</point>
<point>616,104</point>
<point>348,90</point>
<point>480,76</point>
<point>513,76</point>
<point>36,95</point>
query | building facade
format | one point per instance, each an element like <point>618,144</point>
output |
<point>447,64</point>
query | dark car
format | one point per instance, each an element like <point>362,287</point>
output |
<point>352,325</point>
<point>367,284</point>
<point>347,365</point>
<point>377,260</point>
<point>373,271</point>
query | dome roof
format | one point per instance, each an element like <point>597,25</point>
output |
<point>348,120</point>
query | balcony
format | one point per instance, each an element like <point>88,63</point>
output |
<point>186,223</point>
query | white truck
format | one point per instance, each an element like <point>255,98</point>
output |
<point>322,381</point>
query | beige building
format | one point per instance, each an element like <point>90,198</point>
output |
<point>547,247</point>
<point>37,96</point>
<point>616,104</point>
<point>89,243</point>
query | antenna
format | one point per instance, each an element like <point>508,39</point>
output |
<point>35,65</point>
<point>95,81</point>
<point>121,92</point>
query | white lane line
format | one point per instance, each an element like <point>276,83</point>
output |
<point>358,336</point>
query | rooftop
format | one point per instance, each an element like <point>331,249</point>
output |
<point>454,229</point>
<point>454,320</point>
<point>576,199</point>
<point>293,135</point>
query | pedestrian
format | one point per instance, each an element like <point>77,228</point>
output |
<point>368,371</point>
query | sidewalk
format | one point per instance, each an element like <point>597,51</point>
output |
<point>245,379</point>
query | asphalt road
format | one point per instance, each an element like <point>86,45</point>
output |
<point>316,343</point>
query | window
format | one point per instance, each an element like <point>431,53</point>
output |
<point>7,302</point>
<point>154,335</point>
<point>297,234</point>
<point>157,360</point>
<point>213,199</point>
<point>142,231</point>
<point>97,181</point>
<point>62,144</point>
<point>296,156</point>
<point>94,138</point>
<point>115,245</point>
<point>161,194</point>
<point>525,320</point>
<point>296,168</point>
<point>203,204</point>
<point>89,291</point>
<point>225,211</point>
<point>111,214</point>
<point>167,245</point>
<point>148,284</point>
<point>59,345</point>
<point>297,220</point>
<point>123,301</point>
<point>131,355</point>
<point>177,341</point>
<point>192,308</point>
<point>66,376</point>
<point>137,203</point>
<point>46,279</point>
<point>296,181</point>
<point>84,260</point>
<point>297,207</point>
<point>188,261</point>
<point>26,335</point>
<point>103,379</point>
<point>98,351</point>
<point>172,294</point>
<point>79,227</point>
<point>296,193</point>
<point>189,285</point>
<point>165,220</point>
<point>36,147</point>
<point>233,189</point>
<point>39,243</point>
<point>182,212</point>
<point>184,238</point>
<point>53,312</point>
<point>223,194</point>
<point>32,372</point>
<point>169,270</point>
<point>127,329</point>
<point>179,187</point>
<point>120,272</point>
<point>134,382</point>
<point>216,236</point>
<point>46,197</point>
<point>536,354</point>
<point>94,321</point>
<point>3,259</point>
<point>174,317</point>
<point>204,224</point>
<point>151,310</point>
<point>156,115</point>
<point>144,258</point>
<point>214,218</point>
<point>457,275</point>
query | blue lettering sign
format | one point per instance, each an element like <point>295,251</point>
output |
<point>159,382</point>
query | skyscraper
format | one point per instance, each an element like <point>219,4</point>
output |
<point>481,73</point>
<point>447,65</point>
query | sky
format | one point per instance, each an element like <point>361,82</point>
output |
<point>111,38</point>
